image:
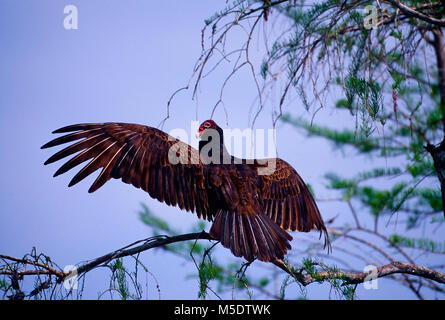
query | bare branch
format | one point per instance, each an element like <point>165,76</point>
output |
<point>360,277</point>
<point>416,14</point>
<point>149,243</point>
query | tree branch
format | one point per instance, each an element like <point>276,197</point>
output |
<point>416,14</point>
<point>360,277</point>
<point>302,277</point>
<point>438,153</point>
<point>149,243</point>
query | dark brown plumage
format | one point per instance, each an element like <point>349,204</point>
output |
<point>250,212</point>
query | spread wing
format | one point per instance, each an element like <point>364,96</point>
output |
<point>168,169</point>
<point>288,201</point>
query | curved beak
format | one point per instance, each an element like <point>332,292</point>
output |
<point>198,134</point>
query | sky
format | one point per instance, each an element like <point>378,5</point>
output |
<point>122,64</point>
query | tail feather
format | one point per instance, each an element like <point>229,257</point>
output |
<point>250,236</point>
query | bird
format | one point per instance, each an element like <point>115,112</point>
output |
<point>250,211</point>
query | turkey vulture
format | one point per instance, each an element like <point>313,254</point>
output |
<point>250,211</point>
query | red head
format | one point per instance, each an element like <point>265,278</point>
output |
<point>208,124</point>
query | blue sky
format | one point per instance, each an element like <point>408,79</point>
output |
<point>122,64</point>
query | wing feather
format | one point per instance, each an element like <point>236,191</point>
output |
<point>92,166</point>
<point>81,157</point>
<point>288,201</point>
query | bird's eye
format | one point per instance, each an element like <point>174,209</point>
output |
<point>206,125</point>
